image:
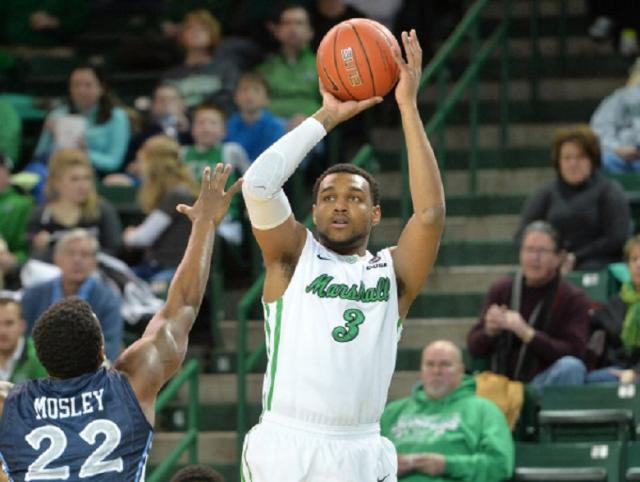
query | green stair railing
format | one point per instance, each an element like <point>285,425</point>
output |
<point>189,374</point>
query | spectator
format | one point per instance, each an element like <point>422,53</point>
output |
<point>327,13</point>
<point>444,431</point>
<point>203,76</point>
<point>39,23</point>
<point>15,209</point>
<point>589,211</point>
<point>208,130</point>
<point>75,255</point>
<point>18,359</point>
<point>534,325</point>
<point>106,130</point>
<point>384,11</point>
<point>617,21</point>
<point>197,473</point>
<point>620,320</point>
<point>163,234</point>
<point>291,72</point>
<point>617,122</point>
<point>10,134</point>
<point>253,126</point>
<point>72,203</point>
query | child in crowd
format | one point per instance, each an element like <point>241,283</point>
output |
<point>253,126</point>
<point>208,132</point>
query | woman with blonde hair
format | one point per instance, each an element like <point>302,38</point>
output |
<point>163,234</point>
<point>72,202</point>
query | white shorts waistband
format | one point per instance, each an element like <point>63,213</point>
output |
<point>330,431</point>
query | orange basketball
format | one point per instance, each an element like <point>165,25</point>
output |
<point>354,60</point>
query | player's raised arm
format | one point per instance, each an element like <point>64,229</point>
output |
<point>158,354</point>
<point>418,244</point>
<point>278,234</point>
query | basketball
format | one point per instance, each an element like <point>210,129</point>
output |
<point>355,62</point>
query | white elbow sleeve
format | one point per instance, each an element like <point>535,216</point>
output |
<point>266,212</point>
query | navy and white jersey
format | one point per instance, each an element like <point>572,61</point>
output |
<point>89,428</point>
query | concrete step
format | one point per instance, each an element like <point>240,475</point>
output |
<point>464,279</point>
<point>490,181</point>
<point>213,447</point>
<point>457,228</point>
<point>520,135</point>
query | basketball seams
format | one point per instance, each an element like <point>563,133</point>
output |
<point>390,44</point>
<point>366,57</point>
<point>335,64</point>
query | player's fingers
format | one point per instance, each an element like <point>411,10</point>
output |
<point>416,47</point>
<point>218,174</point>
<point>409,47</point>
<point>235,187</point>
<point>397,56</point>
<point>206,179</point>
<point>370,102</point>
<point>183,209</point>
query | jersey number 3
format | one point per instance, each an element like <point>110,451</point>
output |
<point>95,463</point>
<point>350,329</point>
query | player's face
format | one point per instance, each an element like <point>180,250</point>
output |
<point>575,165</point>
<point>539,259</point>
<point>634,265</point>
<point>84,88</point>
<point>77,260</point>
<point>441,370</point>
<point>344,213</point>
<point>12,327</point>
<point>251,96</point>
<point>74,184</point>
<point>294,30</point>
<point>208,128</point>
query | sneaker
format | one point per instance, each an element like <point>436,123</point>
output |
<point>628,42</point>
<point>601,28</point>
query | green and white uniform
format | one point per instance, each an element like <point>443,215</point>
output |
<point>331,342</point>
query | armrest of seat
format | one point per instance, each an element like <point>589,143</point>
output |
<point>619,416</point>
<point>573,474</point>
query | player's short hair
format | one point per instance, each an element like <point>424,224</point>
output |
<point>546,228</point>
<point>68,339</point>
<point>197,473</point>
<point>350,169</point>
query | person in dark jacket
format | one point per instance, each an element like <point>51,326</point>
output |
<point>620,320</point>
<point>589,211</point>
<point>534,325</point>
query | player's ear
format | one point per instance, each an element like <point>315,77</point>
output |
<point>376,215</point>
<point>313,214</point>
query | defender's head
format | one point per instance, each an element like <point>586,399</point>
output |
<point>197,473</point>
<point>68,339</point>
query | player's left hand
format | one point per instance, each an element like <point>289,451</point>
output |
<point>410,70</point>
<point>335,111</point>
<point>213,201</point>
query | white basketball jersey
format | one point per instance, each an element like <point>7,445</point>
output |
<point>332,338</point>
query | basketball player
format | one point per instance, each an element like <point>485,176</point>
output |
<point>87,422</point>
<point>333,310</point>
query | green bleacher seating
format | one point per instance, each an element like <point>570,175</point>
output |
<point>597,284</point>
<point>597,462</point>
<point>124,200</point>
<point>633,461</point>
<point>588,413</point>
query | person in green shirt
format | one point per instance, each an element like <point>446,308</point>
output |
<point>291,72</point>
<point>208,149</point>
<point>18,359</point>
<point>444,431</point>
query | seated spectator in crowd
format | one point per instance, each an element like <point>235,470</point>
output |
<point>617,122</point>
<point>208,131</point>
<point>163,234</point>
<point>39,23</point>
<point>18,358</point>
<point>444,431</point>
<point>253,126</point>
<point>203,77</point>
<point>168,116</point>
<point>10,134</point>
<point>534,325</point>
<point>89,120</point>
<point>72,203</point>
<point>620,320</point>
<point>588,210</point>
<point>75,255</point>
<point>15,208</point>
<point>291,72</point>
<point>197,473</point>
<point>327,13</point>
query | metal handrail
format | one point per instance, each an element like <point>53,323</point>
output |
<point>190,374</point>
